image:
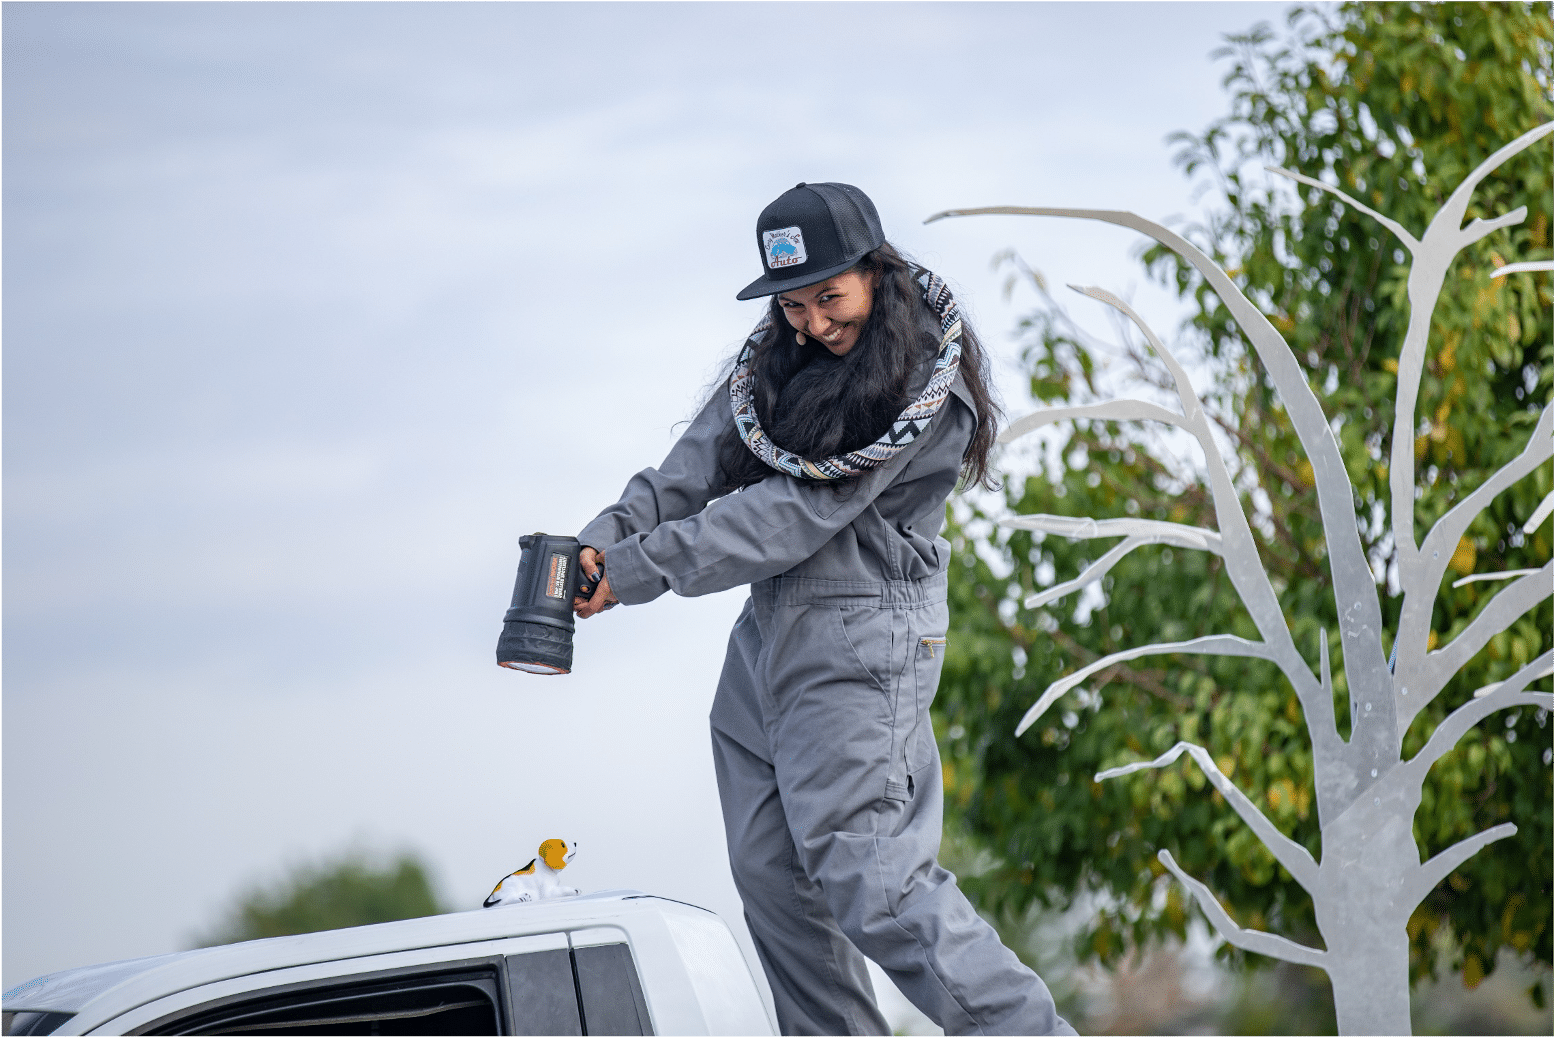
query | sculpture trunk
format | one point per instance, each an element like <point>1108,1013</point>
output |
<point>1370,985</point>
<point>1362,907</point>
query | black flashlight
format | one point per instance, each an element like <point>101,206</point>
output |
<point>537,630</point>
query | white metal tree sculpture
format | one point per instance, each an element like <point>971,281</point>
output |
<point>1370,877</point>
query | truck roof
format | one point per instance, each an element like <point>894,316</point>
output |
<point>120,985</point>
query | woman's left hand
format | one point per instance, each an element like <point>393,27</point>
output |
<point>592,563</point>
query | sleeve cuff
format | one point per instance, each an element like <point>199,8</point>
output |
<point>600,534</point>
<point>632,579</point>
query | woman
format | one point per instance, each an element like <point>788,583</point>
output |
<point>851,413</point>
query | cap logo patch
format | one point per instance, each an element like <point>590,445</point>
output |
<point>783,247</point>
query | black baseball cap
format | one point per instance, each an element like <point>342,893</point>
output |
<point>810,233</point>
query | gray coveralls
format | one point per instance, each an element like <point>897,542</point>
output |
<point>826,762</point>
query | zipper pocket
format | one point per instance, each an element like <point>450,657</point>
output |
<point>933,644</point>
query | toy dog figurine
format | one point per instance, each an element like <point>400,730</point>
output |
<point>538,879</point>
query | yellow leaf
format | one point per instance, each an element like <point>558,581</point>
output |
<point>1421,447</point>
<point>1307,474</point>
<point>1472,972</point>
<point>1175,910</point>
<point>1281,794</point>
<point>1464,558</point>
<point>1435,639</point>
<point>1390,364</point>
<point>1508,916</point>
<point>1456,444</point>
<point>1227,765</point>
<point>1448,357</point>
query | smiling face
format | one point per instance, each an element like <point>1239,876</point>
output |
<point>833,311</point>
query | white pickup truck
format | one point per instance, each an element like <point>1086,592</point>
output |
<point>618,962</point>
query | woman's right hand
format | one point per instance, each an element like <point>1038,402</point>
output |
<point>592,563</point>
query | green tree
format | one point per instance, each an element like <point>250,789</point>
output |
<point>1395,103</point>
<point>333,894</point>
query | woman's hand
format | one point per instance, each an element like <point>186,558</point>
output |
<point>592,563</point>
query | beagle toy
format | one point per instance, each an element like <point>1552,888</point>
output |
<point>537,880</point>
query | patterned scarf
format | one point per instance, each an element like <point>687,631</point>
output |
<point>911,424</point>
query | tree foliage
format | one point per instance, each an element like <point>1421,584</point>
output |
<point>350,890</point>
<point>1395,103</point>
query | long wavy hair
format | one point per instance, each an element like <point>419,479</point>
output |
<point>818,405</point>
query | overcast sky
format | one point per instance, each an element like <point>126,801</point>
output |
<point>311,309</point>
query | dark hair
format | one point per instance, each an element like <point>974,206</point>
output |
<point>818,405</point>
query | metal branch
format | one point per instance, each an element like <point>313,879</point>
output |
<point>1093,529</point>
<point>1482,228</point>
<point>1100,567</point>
<point>1456,206</point>
<point>1243,564</point>
<point>1214,644</point>
<point>1409,241</point>
<point>1285,850</point>
<point>1504,695</point>
<point>1148,680</point>
<point>1443,536</point>
<point>1524,268</point>
<point>1541,512</point>
<point>1111,410</point>
<point>1421,577</point>
<point>1325,663</point>
<point>1145,531</point>
<point>1174,533</point>
<point>1442,240</point>
<point>1503,609</point>
<point>1247,939</point>
<point>1280,523</point>
<point>1509,574</point>
<point>1191,405</point>
<point>1354,585</point>
<point>1419,884</point>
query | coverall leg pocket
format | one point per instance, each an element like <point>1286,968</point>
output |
<point>922,683</point>
<point>865,637</point>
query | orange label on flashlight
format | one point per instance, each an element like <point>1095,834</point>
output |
<point>557,584</point>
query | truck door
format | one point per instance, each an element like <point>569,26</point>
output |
<point>564,983</point>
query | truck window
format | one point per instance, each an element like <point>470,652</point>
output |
<point>465,1002</point>
<point>543,993</point>
<point>611,991</point>
<point>33,1022</point>
<point>547,988</point>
